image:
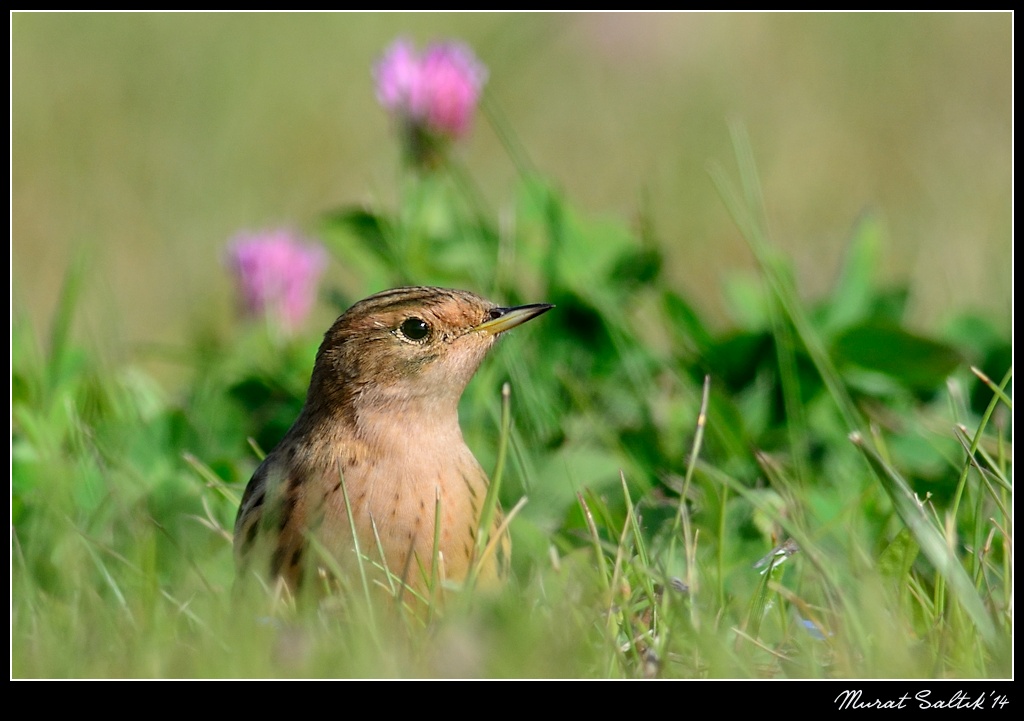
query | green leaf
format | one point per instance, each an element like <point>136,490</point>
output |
<point>896,560</point>
<point>739,358</point>
<point>918,363</point>
<point>363,242</point>
<point>685,323</point>
<point>852,298</point>
<point>637,267</point>
<point>586,261</point>
<point>370,228</point>
<point>747,300</point>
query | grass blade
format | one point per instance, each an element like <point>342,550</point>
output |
<point>929,538</point>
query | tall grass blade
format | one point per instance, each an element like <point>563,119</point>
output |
<point>929,538</point>
<point>748,214</point>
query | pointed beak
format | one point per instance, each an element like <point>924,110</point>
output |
<point>503,319</point>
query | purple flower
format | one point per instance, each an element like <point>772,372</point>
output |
<point>433,94</point>
<point>397,77</point>
<point>277,275</point>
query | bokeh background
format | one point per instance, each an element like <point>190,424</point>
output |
<point>141,143</point>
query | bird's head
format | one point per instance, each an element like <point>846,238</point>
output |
<point>404,346</point>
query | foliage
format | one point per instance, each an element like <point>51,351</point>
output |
<point>660,459</point>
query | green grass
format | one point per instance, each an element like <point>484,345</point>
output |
<point>656,461</point>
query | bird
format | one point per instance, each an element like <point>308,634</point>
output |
<point>377,449</point>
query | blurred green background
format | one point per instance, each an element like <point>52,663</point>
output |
<point>142,142</point>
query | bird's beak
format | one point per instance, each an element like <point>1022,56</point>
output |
<point>503,319</point>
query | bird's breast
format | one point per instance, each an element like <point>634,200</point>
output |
<point>417,507</point>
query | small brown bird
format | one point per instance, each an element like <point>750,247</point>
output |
<point>380,426</point>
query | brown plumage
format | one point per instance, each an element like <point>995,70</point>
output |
<point>381,415</point>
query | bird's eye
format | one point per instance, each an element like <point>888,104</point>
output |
<point>414,328</point>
